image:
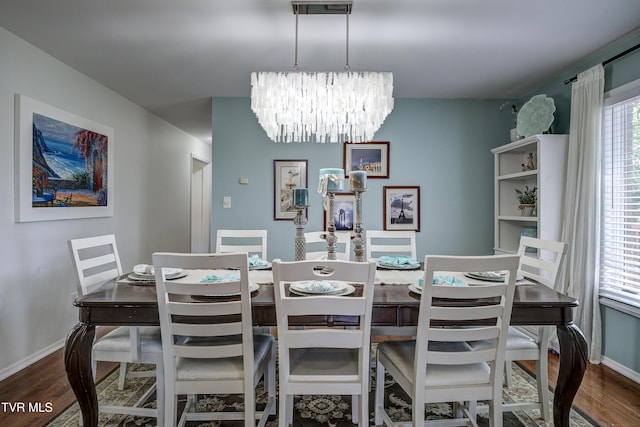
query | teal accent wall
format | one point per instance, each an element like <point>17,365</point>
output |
<point>620,331</point>
<point>441,145</point>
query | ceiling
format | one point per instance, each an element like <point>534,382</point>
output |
<point>172,56</point>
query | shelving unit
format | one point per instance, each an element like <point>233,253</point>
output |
<point>550,154</point>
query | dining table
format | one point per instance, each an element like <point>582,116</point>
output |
<point>125,302</point>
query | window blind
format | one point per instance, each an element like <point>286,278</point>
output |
<point>620,233</point>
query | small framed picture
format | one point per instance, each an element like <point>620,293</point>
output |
<point>344,212</point>
<point>287,175</point>
<point>372,157</point>
<point>401,207</point>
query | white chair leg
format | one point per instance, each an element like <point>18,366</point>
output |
<point>289,411</point>
<point>123,375</point>
<point>282,410</point>
<point>160,394</point>
<point>271,380</point>
<point>542,380</point>
<point>508,374</point>
<point>355,408</point>
<point>379,400</point>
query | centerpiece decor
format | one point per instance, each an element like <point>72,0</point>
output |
<point>358,184</point>
<point>300,204</point>
<point>331,181</point>
<point>527,198</point>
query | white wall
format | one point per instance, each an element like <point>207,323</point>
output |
<point>152,161</point>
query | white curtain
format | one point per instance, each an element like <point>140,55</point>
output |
<point>581,228</point>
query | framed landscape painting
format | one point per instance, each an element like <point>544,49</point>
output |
<point>344,215</point>
<point>372,157</point>
<point>401,207</point>
<point>287,175</point>
<point>64,164</point>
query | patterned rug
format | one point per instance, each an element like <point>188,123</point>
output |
<point>310,411</point>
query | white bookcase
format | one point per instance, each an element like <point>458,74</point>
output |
<point>550,155</point>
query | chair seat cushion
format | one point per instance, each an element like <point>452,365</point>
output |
<point>323,361</point>
<point>118,340</point>
<point>401,354</point>
<point>224,368</point>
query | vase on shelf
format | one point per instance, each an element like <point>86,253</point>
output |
<point>526,210</point>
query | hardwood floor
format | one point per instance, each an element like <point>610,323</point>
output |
<point>607,397</point>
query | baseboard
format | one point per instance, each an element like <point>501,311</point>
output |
<point>22,364</point>
<point>621,369</point>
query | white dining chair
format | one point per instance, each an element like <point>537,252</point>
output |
<point>250,241</point>
<point>208,339</point>
<point>439,365</point>
<point>390,242</point>
<point>540,261</point>
<point>324,359</point>
<point>317,245</point>
<point>95,262</point>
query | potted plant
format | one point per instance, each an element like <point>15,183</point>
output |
<point>527,199</point>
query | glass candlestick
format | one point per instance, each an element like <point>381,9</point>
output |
<point>358,239</point>
<point>331,227</point>
<point>300,221</point>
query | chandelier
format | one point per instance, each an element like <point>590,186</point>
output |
<point>321,106</point>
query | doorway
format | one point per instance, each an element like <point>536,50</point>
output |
<point>200,205</point>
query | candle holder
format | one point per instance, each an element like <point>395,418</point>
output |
<point>358,239</point>
<point>300,221</point>
<point>331,227</point>
<point>358,184</point>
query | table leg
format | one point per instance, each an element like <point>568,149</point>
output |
<point>573,363</point>
<point>77,361</point>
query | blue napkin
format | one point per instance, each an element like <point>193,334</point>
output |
<point>400,260</point>
<point>255,261</point>
<point>444,281</point>
<point>212,278</point>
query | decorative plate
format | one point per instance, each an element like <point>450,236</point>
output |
<point>535,116</point>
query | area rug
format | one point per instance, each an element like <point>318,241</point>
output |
<point>309,411</point>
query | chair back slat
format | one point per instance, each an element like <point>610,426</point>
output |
<point>333,305</point>
<point>209,352</point>
<point>464,334</point>
<point>388,242</point>
<point>249,241</point>
<point>207,330</point>
<point>328,338</point>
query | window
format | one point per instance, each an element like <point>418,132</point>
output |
<point>620,245</point>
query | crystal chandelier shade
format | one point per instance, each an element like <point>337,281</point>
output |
<point>321,106</point>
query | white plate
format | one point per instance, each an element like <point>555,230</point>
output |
<point>318,287</point>
<point>252,288</point>
<point>414,288</point>
<point>151,278</point>
<point>348,289</point>
<point>490,276</point>
<point>397,267</point>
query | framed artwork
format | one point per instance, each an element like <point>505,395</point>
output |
<point>64,164</point>
<point>372,157</point>
<point>401,207</point>
<point>344,212</point>
<point>287,175</point>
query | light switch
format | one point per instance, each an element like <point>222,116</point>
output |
<point>226,202</point>
<point>244,180</point>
